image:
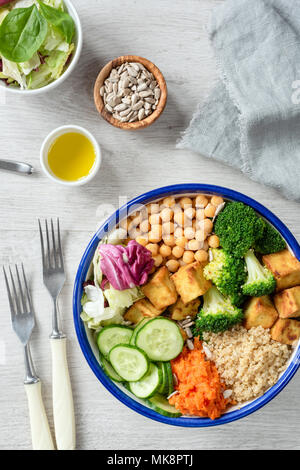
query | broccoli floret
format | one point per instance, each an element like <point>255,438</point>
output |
<point>270,242</point>
<point>238,227</point>
<point>228,273</point>
<point>217,313</point>
<point>260,281</point>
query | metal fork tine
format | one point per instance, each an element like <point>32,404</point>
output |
<point>15,293</point>
<point>48,244</point>
<point>27,290</point>
<point>59,245</point>
<point>54,245</point>
<point>23,301</point>
<point>11,304</point>
<point>42,245</point>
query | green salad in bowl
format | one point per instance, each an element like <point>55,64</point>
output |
<point>40,41</point>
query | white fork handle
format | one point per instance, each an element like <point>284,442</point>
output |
<point>40,431</point>
<point>63,408</point>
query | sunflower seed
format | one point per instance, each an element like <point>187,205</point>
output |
<point>190,344</point>
<point>138,105</point>
<point>157,93</point>
<point>125,112</point>
<point>145,93</point>
<point>141,114</point>
<point>102,90</point>
<point>121,107</point>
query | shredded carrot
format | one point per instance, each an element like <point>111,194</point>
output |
<point>199,385</point>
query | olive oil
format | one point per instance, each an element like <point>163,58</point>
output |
<point>71,156</point>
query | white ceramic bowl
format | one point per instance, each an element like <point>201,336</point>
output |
<point>76,54</point>
<point>50,140</point>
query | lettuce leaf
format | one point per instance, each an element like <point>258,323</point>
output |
<point>31,64</point>
<point>11,70</point>
<point>51,70</point>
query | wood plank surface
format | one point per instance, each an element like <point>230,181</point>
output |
<point>172,34</point>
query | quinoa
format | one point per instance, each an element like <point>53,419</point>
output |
<point>249,361</point>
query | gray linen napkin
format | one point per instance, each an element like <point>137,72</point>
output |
<point>251,121</point>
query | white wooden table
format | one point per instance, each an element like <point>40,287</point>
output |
<point>172,34</point>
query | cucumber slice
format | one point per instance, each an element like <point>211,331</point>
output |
<point>149,384</point>
<point>112,335</point>
<point>137,329</point>
<point>162,406</point>
<point>129,362</point>
<point>109,370</point>
<point>164,387</point>
<point>170,378</point>
<point>161,339</point>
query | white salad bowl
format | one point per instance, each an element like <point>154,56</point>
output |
<point>74,59</point>
<point>87,339</point>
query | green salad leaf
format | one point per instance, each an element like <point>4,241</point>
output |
<point>59,19</point>
<point>22,32</point>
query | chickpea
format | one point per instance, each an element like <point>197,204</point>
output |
<point>145,226</point>
<point>134,233</point>
<point>153,270</point>
<point>201,256</point>
<point>142,240</point>
<point>124,224</point>
<point>201,201</point>
<point>172,265</point>
<point>179,218</point>
<point>200,235</point>
<point>194,245</point>
<point>189,233</point>
<point>158,259</point>
<point>178,233</point>
<point>181,241</point>
<point>210,210</point>
<point>166,214</point>
<point>206,225</point>
<point>154,219</point>
<point>190,213</point>
<point>177,251</point>
<point>216,200</point>
<point>213,241</point>
<point>188,257</point>
<point>167,228</point>
<point>153,208</point>
<point>182,263</point>
<point>205,245</point>
<point>153,247</point>
<point>133,223</point>
<point>165,251</point>
<point>185,202</point>
<point>169,240</point>
<point>169,202</point>
<point>155,234</point>
<point>200,214</point>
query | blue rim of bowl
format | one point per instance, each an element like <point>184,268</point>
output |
<point>80,329</point>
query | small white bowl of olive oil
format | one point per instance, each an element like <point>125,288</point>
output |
<point>70,155</point>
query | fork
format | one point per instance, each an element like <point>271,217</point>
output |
<point>54,279</point>
<point>23,322</point>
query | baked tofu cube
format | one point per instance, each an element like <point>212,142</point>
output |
<point>180,311</point>
<point>285,268</point>
<point>160,290</point>
<point>287,302</point>
<point>286,331</point>
<point>190,282</point>
<point>141,309</point>
<point>260,311</point>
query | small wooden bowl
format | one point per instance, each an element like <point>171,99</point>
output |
<point>158,77</point>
